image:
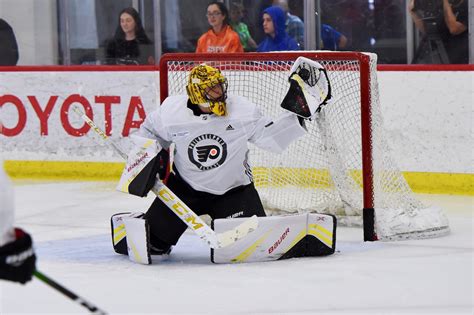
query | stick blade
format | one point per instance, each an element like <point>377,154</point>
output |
<point>231,236</point>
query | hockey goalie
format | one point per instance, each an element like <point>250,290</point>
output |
<point>211,172</point>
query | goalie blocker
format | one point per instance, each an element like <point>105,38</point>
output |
<point>145,161</point>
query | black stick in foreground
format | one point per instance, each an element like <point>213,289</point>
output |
<point>91,307</point>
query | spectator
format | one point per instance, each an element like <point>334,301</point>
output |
<point>332,39</point>
<point>276,38</point>
<point>236,15</point>
<point>253,14</point>
<point>8,45</point>
<point>294,25</point>
<point>447,25</point>
<point>457,42</point>
<point>220,37</point>
<point>130,45</point>
<point>353,18</point>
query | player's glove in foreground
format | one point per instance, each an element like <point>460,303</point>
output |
<point>18,259</point>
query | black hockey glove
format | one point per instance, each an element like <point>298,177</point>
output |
<point>145,180</point>
<point>310,88</point>
<point>18,259</point>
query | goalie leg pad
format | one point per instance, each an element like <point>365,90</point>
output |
<point>321,234</point>
<point>119,235</point>
<point>279,237</point>
<point>138,244</point>
<point>118,230</point>
<point>120,241</point>
<point>320,238</point>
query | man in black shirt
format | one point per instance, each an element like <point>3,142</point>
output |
<point>8,45</point>
<point>456,40</point>
<point>445,24</point>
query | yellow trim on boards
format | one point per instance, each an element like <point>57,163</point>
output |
<point>64,170</point>
<point>441,183</point>
<point>420,182</point>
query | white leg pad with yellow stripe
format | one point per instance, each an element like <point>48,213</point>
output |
<point>138,245</point>
<point>279,237</point>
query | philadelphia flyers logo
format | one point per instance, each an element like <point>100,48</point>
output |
<point>207,151</point>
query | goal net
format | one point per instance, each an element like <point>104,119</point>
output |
<point>343,164</point>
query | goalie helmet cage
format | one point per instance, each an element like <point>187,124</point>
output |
<point>343,164</point>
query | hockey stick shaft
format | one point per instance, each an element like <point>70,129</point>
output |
<point>189,217</point>
<point>91,307</point>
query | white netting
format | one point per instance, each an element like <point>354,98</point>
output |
<point>322,172</point>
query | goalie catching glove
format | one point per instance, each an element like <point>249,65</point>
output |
<point>310,88</point>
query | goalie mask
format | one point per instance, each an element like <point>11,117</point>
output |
<point>208,87</point>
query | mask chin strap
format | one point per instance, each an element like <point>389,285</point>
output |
<point>218,108</point>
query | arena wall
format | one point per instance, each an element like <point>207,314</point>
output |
<point>428,116</point>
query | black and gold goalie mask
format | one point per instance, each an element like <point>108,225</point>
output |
<point>208,87</point>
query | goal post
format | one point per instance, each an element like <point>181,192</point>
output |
<point>343,165</point>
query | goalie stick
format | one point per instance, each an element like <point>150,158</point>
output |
<point>192,220</point>
<point>91,307</point>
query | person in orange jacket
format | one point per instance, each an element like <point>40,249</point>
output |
<point>220,37</point>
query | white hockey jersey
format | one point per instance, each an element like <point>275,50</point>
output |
<point>211,152</point>
<point>6,209</point>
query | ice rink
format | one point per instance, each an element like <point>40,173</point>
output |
<point>70,226</point>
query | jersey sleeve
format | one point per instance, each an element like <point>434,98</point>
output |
<point>276,135</point>
<point>154,128</point>
<point>6,208</point>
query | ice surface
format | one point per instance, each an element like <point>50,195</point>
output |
<point>70,226</point>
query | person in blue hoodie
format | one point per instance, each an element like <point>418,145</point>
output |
<point>276,38</point>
